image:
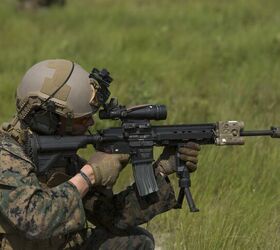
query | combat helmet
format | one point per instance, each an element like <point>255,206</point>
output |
<point>54,88</point>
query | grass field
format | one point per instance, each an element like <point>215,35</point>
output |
<point>207,61</point>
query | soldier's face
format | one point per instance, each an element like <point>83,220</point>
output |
<point>79,125</point>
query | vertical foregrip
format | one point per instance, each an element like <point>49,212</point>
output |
<point>184,184</point>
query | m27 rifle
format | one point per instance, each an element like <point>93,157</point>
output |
<point>137,136</point>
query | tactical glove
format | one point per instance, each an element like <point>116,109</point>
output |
<point>166,163</point>
<point>106,167</point>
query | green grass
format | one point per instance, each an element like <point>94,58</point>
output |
<point>207,61</point>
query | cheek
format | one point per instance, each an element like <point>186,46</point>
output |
<point>78,129</point>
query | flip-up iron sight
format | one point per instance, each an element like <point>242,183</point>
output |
<point>141,112</point>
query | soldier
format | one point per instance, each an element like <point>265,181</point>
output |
<point>50,211</point>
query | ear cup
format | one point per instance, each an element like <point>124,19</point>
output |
<point>44,122</point>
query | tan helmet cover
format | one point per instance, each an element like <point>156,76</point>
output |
<point>63,82</point>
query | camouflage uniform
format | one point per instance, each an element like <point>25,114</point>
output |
<point>34,216</point>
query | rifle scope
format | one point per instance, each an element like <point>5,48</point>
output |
<point>141,112</point>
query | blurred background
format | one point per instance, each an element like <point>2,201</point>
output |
<point>207,61</point>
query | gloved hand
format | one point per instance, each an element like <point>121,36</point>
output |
<point>106,167</point>
<point>166,163</point>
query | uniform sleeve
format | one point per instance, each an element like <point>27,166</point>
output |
<point>37,212</point>
<point>127,209</point>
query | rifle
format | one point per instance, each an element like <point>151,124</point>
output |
<point>137,136</point>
